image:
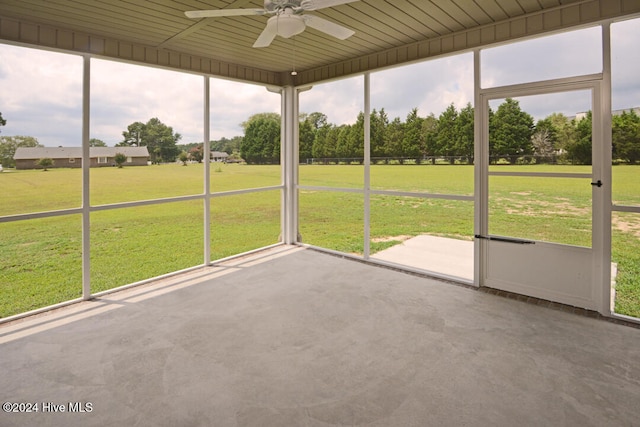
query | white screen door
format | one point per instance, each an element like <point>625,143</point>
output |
<point>538,192</point>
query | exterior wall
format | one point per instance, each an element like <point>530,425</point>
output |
<point>135,161</point>
<point>57,163</point>
<point>24,164</point>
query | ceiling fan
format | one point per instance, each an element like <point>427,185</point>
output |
<point>288,19</point>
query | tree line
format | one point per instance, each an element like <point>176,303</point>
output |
<point>514,137</point>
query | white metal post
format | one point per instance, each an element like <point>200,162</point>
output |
<point>289,159</point>
<point>367,165</point>
<point>86,193</point>
<point>480,164</point>
<point>207,171</point>
<point>603,198</point>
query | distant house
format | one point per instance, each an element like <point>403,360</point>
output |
<point>219,156</point>
<point>583,114</point>
<point>71,157</point>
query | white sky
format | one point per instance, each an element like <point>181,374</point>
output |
<point>40,91</point>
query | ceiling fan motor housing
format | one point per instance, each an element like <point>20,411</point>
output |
<point>277,6</point>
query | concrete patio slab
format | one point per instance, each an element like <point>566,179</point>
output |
<point>451,257</point>
<point>295,337</point>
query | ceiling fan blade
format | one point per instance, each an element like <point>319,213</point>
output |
<point>328,27</point>
<point>222,12</point>
<point>268,34</point>
<point>321,4</point>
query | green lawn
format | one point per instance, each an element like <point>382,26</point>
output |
<point>41,258</point>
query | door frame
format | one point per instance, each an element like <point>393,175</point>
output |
<point>599,298</point>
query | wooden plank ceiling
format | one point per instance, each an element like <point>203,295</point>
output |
<point>383,28</point>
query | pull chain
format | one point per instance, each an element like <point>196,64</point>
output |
<point>294,72</point>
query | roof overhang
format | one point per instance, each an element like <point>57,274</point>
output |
<point>388,33</point>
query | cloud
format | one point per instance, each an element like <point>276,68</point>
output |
<point>128,93</point>
<point>340,101</point>
<point>625,62</point>
<point>428,86</point>
<point>122,94</point>
<point>560,55</point>
<point>233,103</point>
<point>41,95</point>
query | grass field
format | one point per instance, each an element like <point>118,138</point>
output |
<point>41,258</point>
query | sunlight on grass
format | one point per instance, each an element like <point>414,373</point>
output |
<point>440,179</point>
<point>333,220</point>
<point>395,218</point>
<point>27,191</point>
<point>626,253</point>
<point>545,209</point>
<point>133,244</point>
<point>114,185</point>
<point>244,222</point>
<point>41,263</point>
<point>41,258</point>
<point>239,176</point>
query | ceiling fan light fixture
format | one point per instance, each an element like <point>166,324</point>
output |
<point>288,25</point>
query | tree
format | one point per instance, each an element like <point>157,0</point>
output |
<point>510,131</point>
<point>275,117</point>
<point>9,145</point>
<point>342,142</point>
<point>227,145</point>
<point>2,121</point>
<point>356,138</point>
<point>378,124</point>
<point>45,163</point>
<point>325,142</point>
<point>317,120</point>
<point>310,125</point>
<point>579,149</point>
<point>413,140</point>
<point>95,142</point>
<point>626,136</point>
<point>159,139</point>
<point>306,136</point>
<point>319,147</point>
<point>465,134</point>
<point>393,136</point>
<point>445,141</point>
<point>563,131</point>
<point>197,153</point>
<point>120,158</point>
<point>261,142</point>
<point>542,144</point>
<point>430,133</point>
<point>544,140</point>
<point>134,136</point>
<point>183,157</point>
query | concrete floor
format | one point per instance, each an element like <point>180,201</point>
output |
<point>294,337</point>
